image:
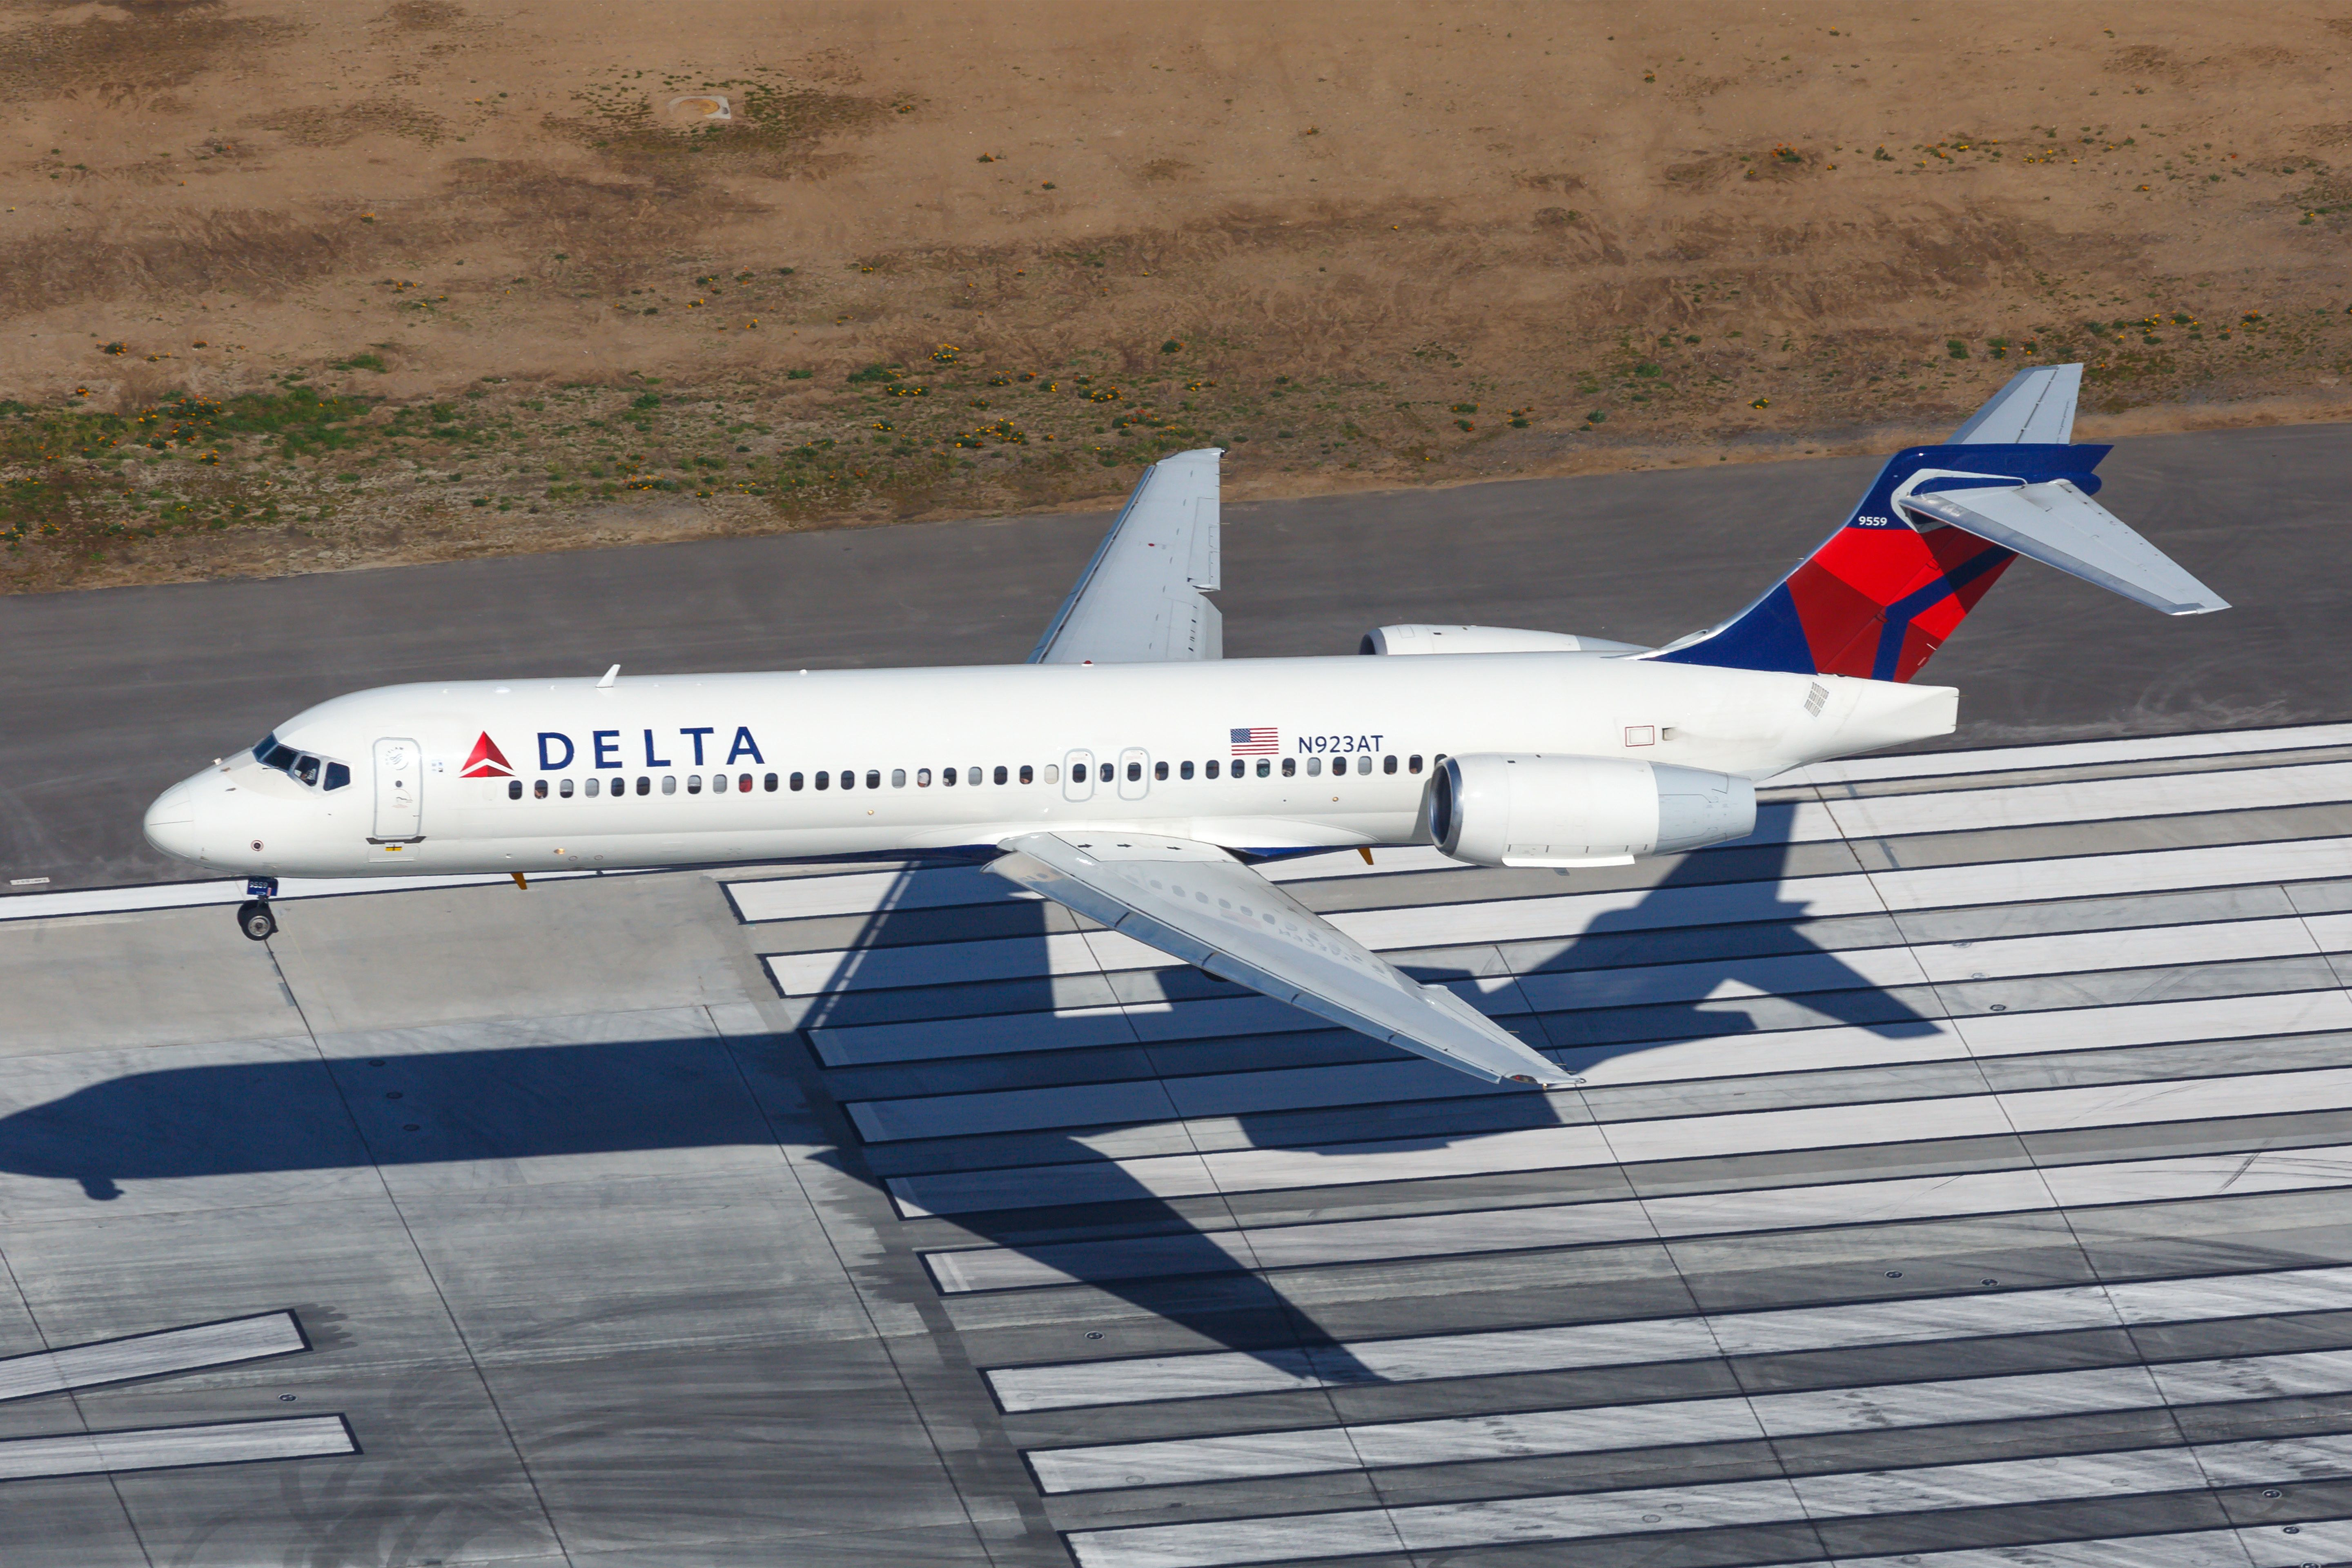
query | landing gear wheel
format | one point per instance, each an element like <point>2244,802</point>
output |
<point>255,920</point>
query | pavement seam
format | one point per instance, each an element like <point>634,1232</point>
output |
<point>506,1427</point>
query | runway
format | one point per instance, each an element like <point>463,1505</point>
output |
<point>1956,1175</point>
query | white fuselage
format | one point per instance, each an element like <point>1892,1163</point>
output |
<point>1144,736</point>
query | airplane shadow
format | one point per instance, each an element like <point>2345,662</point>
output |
<point>690,1092</point>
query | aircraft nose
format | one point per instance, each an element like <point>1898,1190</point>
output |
<point>172,824</point>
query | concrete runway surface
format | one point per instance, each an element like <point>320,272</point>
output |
<point>1957,1178</point>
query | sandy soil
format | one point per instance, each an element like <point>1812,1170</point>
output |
<point>294,286</point>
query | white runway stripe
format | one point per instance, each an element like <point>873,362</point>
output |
<point>2007,1034</point>
<point>2088,800</point>
<point>150,1355</point>
<point>1438,1527</point>
<point>170,1448</point>
<point>1530,1433</point>
<point>2071,755</point>
<point>1746,1213</point>
<point>1507,1351</point>
<point>2256,1546</point>
<point>1235,1169</point>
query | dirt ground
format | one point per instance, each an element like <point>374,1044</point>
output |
<point>291,288</point>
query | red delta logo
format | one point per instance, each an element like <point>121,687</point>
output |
<point>487,762</point>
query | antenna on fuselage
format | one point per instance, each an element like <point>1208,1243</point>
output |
<point>607,684</point>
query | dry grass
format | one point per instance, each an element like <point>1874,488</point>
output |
<point>1406,245</point>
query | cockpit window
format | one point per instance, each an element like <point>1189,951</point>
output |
<point>299,766</point>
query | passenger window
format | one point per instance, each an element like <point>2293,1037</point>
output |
<point>972,776</point>
<point>564,789</point>
<point>947,778</point>
<point>1135,772</point>
<point>823,780</point>
<point>338,775</point>
<point>1289,767</point>
<point>1184,771</point>
<point>590,789</point>
<point>670,784</point>
<point>772,785</point>
<point>1077,773</point>
<point>743,784</point>
<point>694,783</point>
<point>1159,770</point>
<point>514,789</point>
<point>1315,767</point>
<point>645,785</point>
<point>795,781</point>
<point>898,778</point>
<point>1026,776</point>
<point>1053,773</point>
<point>1000,772</point>
<point>848,778</point>
<point>923,778</point>
<point>1265,767</point>
<point>1211,769</point>
<point>1388,763</point>
<point>538,789</point>
<point>1364,764</point>
<point>872,778</point>
<point>1413,766</point>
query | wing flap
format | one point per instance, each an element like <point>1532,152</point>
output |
<point>2059,525</point>
<point>1195,901</point>
<point>1139,600</point>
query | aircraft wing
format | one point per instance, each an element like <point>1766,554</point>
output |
<point>1139,600</point>
<point>1195,901</point>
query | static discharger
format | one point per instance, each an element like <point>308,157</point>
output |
<point>700,108</point>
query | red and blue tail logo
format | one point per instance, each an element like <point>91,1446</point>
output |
<point>1880,596</point>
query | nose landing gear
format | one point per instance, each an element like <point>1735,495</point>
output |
<point>253,916</point>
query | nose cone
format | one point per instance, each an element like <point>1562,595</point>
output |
<point>172,824</point>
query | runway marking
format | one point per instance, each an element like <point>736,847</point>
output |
<point>192,1348</point>
<point>1720,1136</point>
<point>2255,1546</point>
<point>1635,1341</point>
<point>173,1448</point>
<point>1968,1065</point>
<point>1438,1527</point>
<point>1739,1211</point>
<point>1744,1418</point>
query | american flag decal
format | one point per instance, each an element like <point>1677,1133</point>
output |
<point>1256,741</point>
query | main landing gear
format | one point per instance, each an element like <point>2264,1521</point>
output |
<point>253,916</point>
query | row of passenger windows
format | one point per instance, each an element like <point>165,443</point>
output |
<point>1107,772</point>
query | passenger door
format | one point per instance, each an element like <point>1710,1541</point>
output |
<point>1134,774</point>
<point>1078,776</point>
<point>399,791</point>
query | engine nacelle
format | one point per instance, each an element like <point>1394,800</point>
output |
<point>1483,640</point>
<point>1538,810</point>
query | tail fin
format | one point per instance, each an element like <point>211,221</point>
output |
<point>1935,531</point>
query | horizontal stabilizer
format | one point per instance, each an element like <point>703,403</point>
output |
<point>1195,902</point>
<point>2036,408</point>
<point>2057,524</point>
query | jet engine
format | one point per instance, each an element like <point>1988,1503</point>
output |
<point>1483,640</point>
<point>1538,810</point>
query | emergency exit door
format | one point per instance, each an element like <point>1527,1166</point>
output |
<point>1134,774</point>
<point>399,791</point>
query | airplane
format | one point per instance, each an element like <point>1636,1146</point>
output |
<point>1129,772</point>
